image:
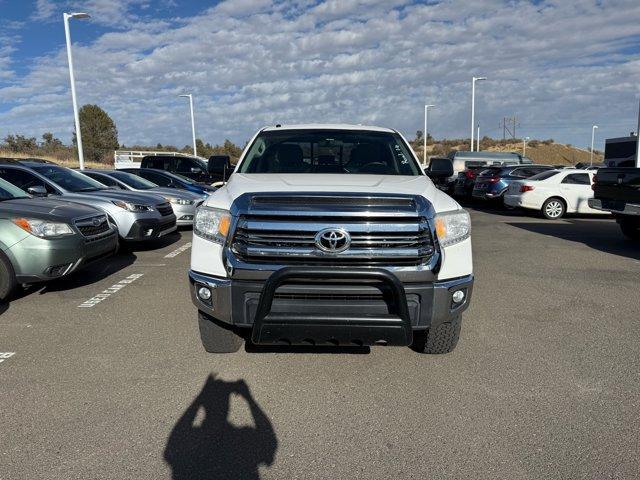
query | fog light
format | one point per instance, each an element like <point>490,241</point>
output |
<point>204,294</point>
<point>458,296</point>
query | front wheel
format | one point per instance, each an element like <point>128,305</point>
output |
<point>630,228</point>
<point>553,208</point>
<point>440,339</point>
<point>7,278</point>
<point>217,337</point>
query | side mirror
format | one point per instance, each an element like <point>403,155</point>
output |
<point>440,169</point>
<point>219,165</point>
<point>37,191</point>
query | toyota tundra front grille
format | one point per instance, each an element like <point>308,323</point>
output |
<point>326,240</point>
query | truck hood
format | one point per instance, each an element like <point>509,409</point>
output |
<point>45,209</point>
<point>241,183</point>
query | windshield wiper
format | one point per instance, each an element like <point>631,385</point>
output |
<point>90,189</point>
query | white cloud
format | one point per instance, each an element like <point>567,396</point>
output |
<point>559,66</point>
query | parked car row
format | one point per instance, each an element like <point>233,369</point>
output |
<point>547,189</point>
<point>55,220</point>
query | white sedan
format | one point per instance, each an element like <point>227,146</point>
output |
<point>554,193</point>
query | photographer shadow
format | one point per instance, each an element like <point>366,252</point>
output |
<point>213,448</point>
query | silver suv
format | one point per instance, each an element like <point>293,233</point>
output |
<point>138,216</point>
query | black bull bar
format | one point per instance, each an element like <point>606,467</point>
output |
<point>317,329</point>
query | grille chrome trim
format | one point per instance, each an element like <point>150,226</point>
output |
<point>93,227</point>
<point>164,209</point>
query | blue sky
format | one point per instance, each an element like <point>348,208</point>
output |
<point>559,66</point>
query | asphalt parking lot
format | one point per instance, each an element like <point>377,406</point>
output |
<point>103,376</point>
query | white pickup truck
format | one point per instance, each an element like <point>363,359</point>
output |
<point>330,235</point>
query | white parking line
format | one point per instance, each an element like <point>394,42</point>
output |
<point>178,250</point>
<point>93,301</point>
<point>5,355</point>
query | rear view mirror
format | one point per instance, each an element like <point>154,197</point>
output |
<point>440,168</point>
<point>37,191</point>
<point>219,165</point>
<point>196,170</point>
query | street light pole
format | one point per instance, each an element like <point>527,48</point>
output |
<point>478,139</point>
<point>524,146</point>
<point>638,139</point>
<point>473,105</point>
<point>593,134</point>
<point>424,134</point>
<point>76,116</point>
<point>193,122</point>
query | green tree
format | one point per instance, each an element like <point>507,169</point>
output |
<point>20,144</point>
<point>99,133</point>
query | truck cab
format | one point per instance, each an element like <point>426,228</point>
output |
<point>196,169</point>
<point>331,235</point>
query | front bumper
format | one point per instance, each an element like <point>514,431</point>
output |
<point>236,302</point>
<point>37,259</point>
<point>613,206</point>
<point>185,213</point>
<point>151,228</point>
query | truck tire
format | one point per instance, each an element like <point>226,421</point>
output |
<point>440,339</point>
<point>217,337</point>
<point>7,278</point>
<point>553,208</point>
<point>630,228</point>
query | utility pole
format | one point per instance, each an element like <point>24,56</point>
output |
<point>424,134</point>
<point>638,139</point>
<point>511,129</point>
<point>478,139</point>
<point>473,106</point>
<point>76,117</point>
<point>593,134</point>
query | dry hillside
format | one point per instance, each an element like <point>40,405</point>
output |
<point>547,152</point>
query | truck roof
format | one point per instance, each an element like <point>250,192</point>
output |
<point>327,126</point>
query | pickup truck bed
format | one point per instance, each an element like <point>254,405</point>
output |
<point>617,190</point>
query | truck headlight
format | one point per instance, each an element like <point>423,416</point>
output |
<point>132,207</point>
<point>212,224</point>
<point>179,201</point>
<point>452,227</point>
<point>43,228</point>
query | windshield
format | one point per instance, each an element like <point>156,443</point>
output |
<point>133,181</point>
<point>68,179</point>
<point>544,175</point>
<point>330,151</point>
<point>9,191</point>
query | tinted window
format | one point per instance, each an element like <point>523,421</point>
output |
<point>69,179</point>
<point>155,177</point>
<point>577,179</point>
<point>133,181</point>
<point>329,151</point>
<point>184,165</point>
<point>490,172</point>
<point>521,172</point>
<point>24,180</point>
<point>161,163</point>
<point>9,191</point>
<point>544,175</point>
<point>104,179</point>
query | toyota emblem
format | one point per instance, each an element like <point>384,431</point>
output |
<point>333,240</point>
<point>96,221</point>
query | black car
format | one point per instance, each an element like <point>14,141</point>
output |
<point>465,181</point>
<point>197,169</point>
<point>170,180</point>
